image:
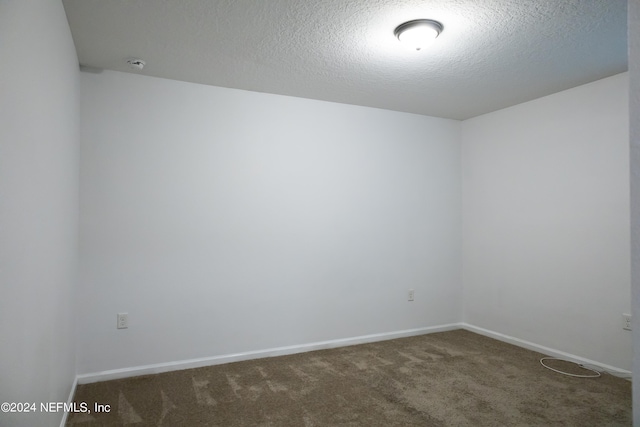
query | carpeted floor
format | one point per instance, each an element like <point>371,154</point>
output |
<point>455,378</point>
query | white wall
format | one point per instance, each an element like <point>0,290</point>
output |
<point>546,221</point>
<point>39,154</point>
<point>227,221</point>
<point>634,115</point>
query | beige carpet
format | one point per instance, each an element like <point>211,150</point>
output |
<point>446,379</point>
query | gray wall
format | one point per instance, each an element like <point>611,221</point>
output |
<point>634,115</point>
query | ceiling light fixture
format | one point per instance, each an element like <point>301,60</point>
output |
<point>418,33</point>
<point>136,63</point>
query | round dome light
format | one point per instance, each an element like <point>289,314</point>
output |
<point>419,33</point>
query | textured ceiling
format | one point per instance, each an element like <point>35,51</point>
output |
<point>491,54</point>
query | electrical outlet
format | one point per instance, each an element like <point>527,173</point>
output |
<point>123,320</point>
<point>411,294</point>
<point>626,321</point>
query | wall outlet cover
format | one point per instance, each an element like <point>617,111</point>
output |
<point>626,322</point>
<point>123,320</point>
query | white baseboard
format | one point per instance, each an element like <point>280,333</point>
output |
<point>546,350</point>
<point>259,354</point>
<point>281,351</point>
<point>69,400</point>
